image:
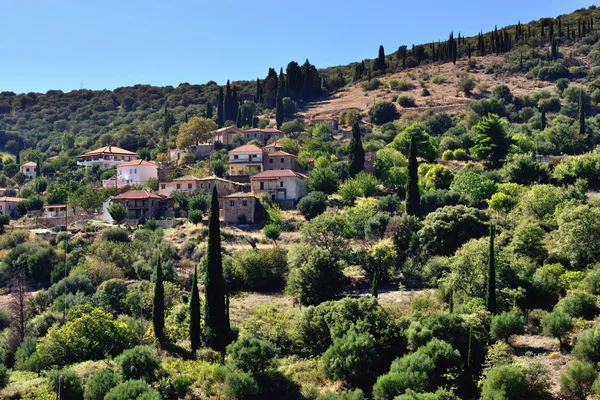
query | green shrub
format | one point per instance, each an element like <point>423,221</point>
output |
<point>579,305</point>
<point>525,169</point>
<point>140,362</point>
<point>371,85</point>
<point>466,83</point>
<point>313,204</point>
<point>115,235</point>
<point>240,385</point>
<point>448,155</point>
<point>356,394</point>
<point>260,269</point>
<point>383,112</point>
<point>67,382</point>
<point>506,325</point>
<point>195,216</point>
<point>132,390</point>
<point>350,358</point>
<point>4,376</point>
<point>407,101</point>
<point>99,385</point>
<point>111,295</point>
<point>251,354</point>
<point>577,381</point>
<point>459,154</point>
<point>557,324</point>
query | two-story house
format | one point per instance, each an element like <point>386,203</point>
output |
<point>29,169</point>
<point>191,183</point>
<point>8,205</point>
<point>139,203</point>
<point>263,135</point>
<point>329,120</point>
<point>280,185</point>
<point>281,160</point>
<point>106,157</point>
<point>135,172</point>
<point>225,135</point>
<point>245,160</point>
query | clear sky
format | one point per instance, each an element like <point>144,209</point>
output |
<point>65,44</point>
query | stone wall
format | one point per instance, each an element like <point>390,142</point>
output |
<point>50,222</point>
<point>231,213</point>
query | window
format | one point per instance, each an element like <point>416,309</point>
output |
<point>235,157</point>
<point>135,171</point>
<point>27,169</point>
<point>254,156</point>
<point>163,186</point>
<point>247,135</point>
<point>255,135</point>
<point>244,203</point>
<point>129,172</point>
<point>152,203</point>
<point>270,161</point>
<point>189,185</point>
<point>280,184</point>
<point>209,185</point>
<point>282,160</point>
<point>231,203</point>
<point>262,186</point>
<point>178,186</point>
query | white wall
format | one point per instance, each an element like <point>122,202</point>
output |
<point>136,174</point>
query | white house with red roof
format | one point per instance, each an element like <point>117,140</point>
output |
<point>106,157</point>
<point>280,184</point>
<point>246,160</point>
<point>136,172</point>
<point>262,134</point>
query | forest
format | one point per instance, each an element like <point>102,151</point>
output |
<point>447,247</point>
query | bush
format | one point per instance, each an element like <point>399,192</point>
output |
<point>474,187</point>
<point>438,177</point>
<point>505,325</point>
<point>389,203</point>
<point>557,324</point>
<point>356,394</point>
<point>460,154</point>
<point>4,376</point>
<point>323,180</point>
<point>577,381</point>
<point>195,216</point>
<point>111,295</point>
<point>383,112</point>
<point>407,101</point>
<point>132,390</point>
<point>448,155</point>
<point>260,269</point>
<point>313,204</point>
<point>371,85</point>
<point>466,83</point>
<point>350,358</point>
<point>251,354</point>
<point>515,382</point>
<point>67,382</point>
<point>115,235</point>
<point>579,305</point>
<point>240,385</point>
<point>99,385</point>
<point>525,169</point>
<point>140,362</point>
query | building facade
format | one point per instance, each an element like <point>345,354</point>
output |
<point>329,120</point>
<point>239,208</point>
<point>281,160</point>
<point>29,169</point>
<point>225,135</point>
<point>262,135</point>
<point>136,172</point>
<point>139,203</point>
<point>246,160</point>
<point>106,157</point>
<point>8,205</point>
<point>280,185</point>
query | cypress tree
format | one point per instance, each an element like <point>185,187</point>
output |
<point>227,107</point>
<point>356,151</point>
<point>374,285</point>
<point>381,60</point>
<point>220,111</point>
<point>413,206</point>
<point>158,304</point>
<point>581,114</point>
<point>491,284</point>
<point>239,121</point>
<point>217,331</point>
<point>195,313</point>
<point>234,102</point>
<point>186,116</point>
<point>209,110</point>
<point>543,124</point>
<point>279,105</point>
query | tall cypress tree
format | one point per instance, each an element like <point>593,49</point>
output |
<point>279,104</point>
<point>356,151</point>
<point>491,283</point>
<point>227,107</point>
<point>209,110</point>
<point>581,115</point>
<point>220,111</point>
<point>195,313</point>
<point>239,121</point>
<point>158,304</point>
<point>234,102</point>
<point>543,123</point>
<point>380,60</point>
<point>216,331</point>
<point>413,200</point>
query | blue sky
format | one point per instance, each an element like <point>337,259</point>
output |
<point>65,44</point>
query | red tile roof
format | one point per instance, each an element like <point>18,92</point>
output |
<point>247,148</point>
<point>276,174</point>
<point>137,195</point>
<point>323,118</point>
<point>136,163</point>
<point>29,164</point>
<point>10,199</point>
<point>108,150</point>
<point>273,145</point>
<point>55,206</point>
<point>228,128</point>
<point>263,130</point>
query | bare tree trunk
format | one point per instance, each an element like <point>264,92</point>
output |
<point>18,302</point>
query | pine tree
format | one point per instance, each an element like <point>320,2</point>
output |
<point>158,305</point>
<point>195,313</point>
<point>356,152</point>
<point>543,123</point>
<point>413,206</point>
<point>220,111</point>
<point>209,110</point>
<point>491,283</point>
<point>279,105</point>
<point>581,115</point>
<point>217,331</point>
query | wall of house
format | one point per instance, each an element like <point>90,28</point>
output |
<point>296,188</point>
<point>29,172</point>
<point>245,157</point>
<point>275,162</point>
<point>8,207</point>
<point>231,212</point>
<point>136,175</point>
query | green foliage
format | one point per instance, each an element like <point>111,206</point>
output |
<point>438,177</point>
<point>259,269</point>
<point>240,385</point>
<point>272,231</point>
<point>383,112</point>
<point>474,188</point>
<point>506,325</point>
<point>466,83</point>
<point>557,324</point>
<point>525,169</point>
<point>516,381</point>
<point>328,231</point>
<point>115,235</point>
<point>117,212</point>
<point>111,295</point>
<point>67,383</point>
<point>132,390</point>
<point>424,142</point>
<point>4,376</point>
<point>140,362</point>
<point>350,357</point>
<point>251,354</point>
<point>578,380</point>
<point>323,180</point>
<point>313,204</point>
<point>355,394</point>
<point>577,232</point>
<point>195,216</point>
<point>491,140</point>
<point>99,385</point>
<point>579,305</point>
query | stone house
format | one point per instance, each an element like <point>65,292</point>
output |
<point>238,204</point>
<point>139,203</point>
<point>29,169</point>
<point>262,135</point>
<point>275,146</point>
<point>329,120</point>
<point>225,135</point>
<point>8,205</point>
<point>282,160</point>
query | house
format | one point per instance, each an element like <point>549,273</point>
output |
<point>239,208</point>
<point>275,146</point>
<point>281,160</point>
<point>281,185</point>
<point>225,135</point>
<point>29,169</point>
<point>135,172</point>
<point>8,205</point>
<point>263,135</point>
<point>106,157</point>
<point>329,120</point>
<point>57,210</point>
<point>190,183</point>
<point>246,160</point>
<point>139,203</point>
